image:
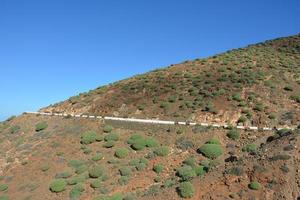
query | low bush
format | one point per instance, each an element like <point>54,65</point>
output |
<point>141,107</point>
<point>191,161</point>
<point>164,105</point>
<point>111,137</point>
<point>107,128</point>
<point>121,153</point>
<point>96,183</point>
<point>237,97</point>
<point>238,171</point>
<point>41,126</point>
<point>58,185</point>
<point>132,139</point>
<point>213,141</point>
<point>65,174</point>
<point>158,168</point>
<point>151,142</point>
<point>250,148</point>
<point>87,150</point>
<point>242,119</point>
<point>140,166</point>
<point>96,171</point>
<point>97,157</point>
<point>186,173</point>
<point>295,98</point>
<point>88,137</point>
<point>285,168</point>
<point>199,170</point>
<point>169,183</point>
<point>211,151</point>
<point>3,187</point>
<point>45,167</point>
<point>186,189</point>
<point>172,98</point>
<point>78,179</point>
<point>14,129</point>
<point>125,171</point>
<point>123,180</point>
<point>76,191</point>
<point>75,163</point>
<point>280,157</point>
<point>139,144</point>
<point>254,185</point>
<point>259,107</point>
<point>162,151</point>
<point>109,144</point>
<point>233,134</point>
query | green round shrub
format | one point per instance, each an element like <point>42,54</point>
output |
<point>162,151</point>
<point>132,139</point>
<point>242,119</point>
<point>125,171</point>
<point>65,174</point>
<point>250,148</point>
<point>186,189</point>
<point>40,126</point>
<point>254,185</point>
<point>96,171</point>
<point>88,137</point>
<point>99,138</point>
<point>107,128</point>
<point>3,187</point>
<point>151,142</point>
<point>134,162</point>
<point>58,185</point>
<point>191,161</point>
<point>97,156</point>
<point>158,168</point>
<point>109,144</point>
<point>123,180</point>
<point>211,151</point>
<point>121,153</point>
<point>233,134</point>
<point>96,183</point>
<point>213,141</point>
<point>199,170</point>
<point>144,160</point>
<point>139,144</point>
<point>80,169</point>
<point>140,166</point>
<point>186,173</point>
<point>77,179</point>
<point>76,191</point>
<point>111,137</point>
<point>87,150</point>
<point>45,167</point>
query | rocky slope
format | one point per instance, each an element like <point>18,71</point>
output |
<point>52,157</point>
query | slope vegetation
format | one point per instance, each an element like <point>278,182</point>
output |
<point>256,85</point>
<point>55,158</point>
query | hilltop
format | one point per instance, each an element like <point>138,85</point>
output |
<point>54,158</point>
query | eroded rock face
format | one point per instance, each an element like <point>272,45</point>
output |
<point>223,117</point>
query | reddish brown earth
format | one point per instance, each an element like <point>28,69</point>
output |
<point>257,85</point>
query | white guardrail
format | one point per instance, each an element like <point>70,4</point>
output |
<point>155,121</point>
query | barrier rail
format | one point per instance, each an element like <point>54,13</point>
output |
<point>156,121</point>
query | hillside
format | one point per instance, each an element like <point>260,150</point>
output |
<point>55,158</point>
<point>256,85</point>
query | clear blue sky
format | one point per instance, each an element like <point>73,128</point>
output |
<point>53,49</point>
